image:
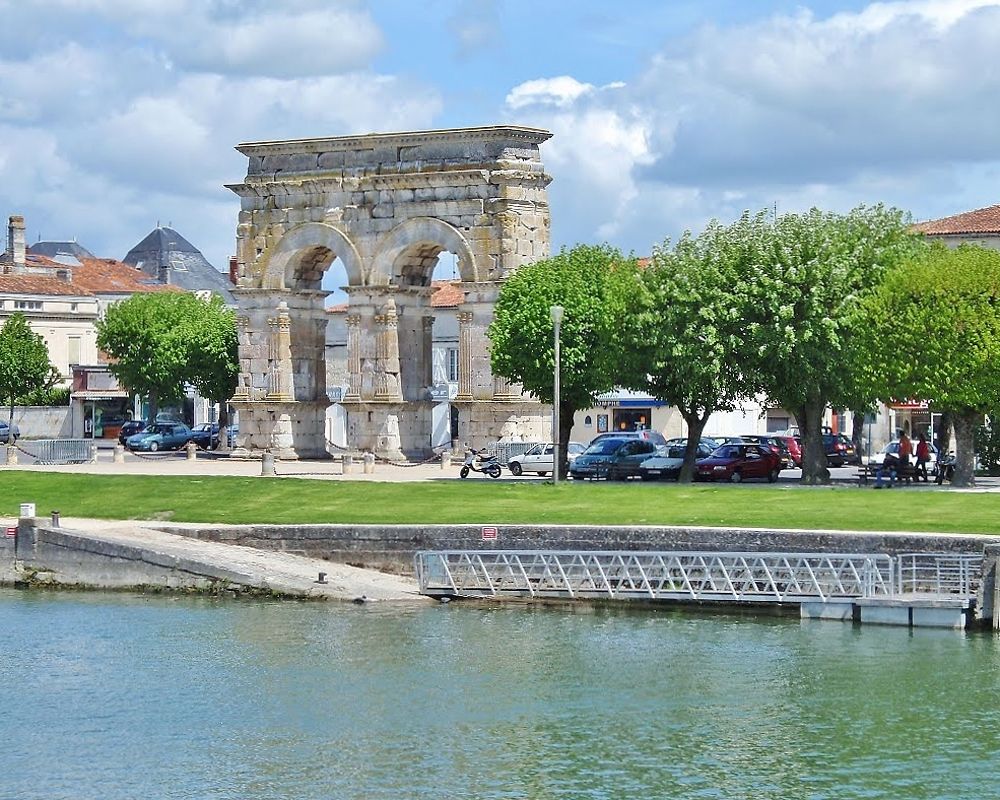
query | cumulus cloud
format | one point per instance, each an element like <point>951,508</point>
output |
<point>130,112</point>
<point>894,103</point>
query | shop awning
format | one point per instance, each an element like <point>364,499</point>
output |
<point>103,394</point>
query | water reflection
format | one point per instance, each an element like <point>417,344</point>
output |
<point>122,696</point>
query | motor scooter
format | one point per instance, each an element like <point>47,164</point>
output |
<point>480,461</point>
<point>946,468</point>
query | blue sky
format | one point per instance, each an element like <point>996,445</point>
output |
<point>117,114</point>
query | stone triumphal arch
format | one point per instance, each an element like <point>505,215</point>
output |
<point>386,205</point>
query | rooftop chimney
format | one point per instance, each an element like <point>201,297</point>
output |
<point>234,269</point>
<point>15,243</point>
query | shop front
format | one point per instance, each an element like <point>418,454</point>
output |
<point>99,405</point>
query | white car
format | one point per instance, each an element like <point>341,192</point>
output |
<point>893,447</point>
<point>667,462</point>
<point>539,458</point>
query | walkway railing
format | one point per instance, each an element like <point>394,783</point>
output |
<point>58,451</point>
<point>938,573</point>
<point>761,577</point>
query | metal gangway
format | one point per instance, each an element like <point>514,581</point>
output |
<point>657,575</point>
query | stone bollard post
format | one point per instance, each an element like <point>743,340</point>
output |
<point>192,451</point>
<point>11,455</point>
<point>446,460</point>
<point>347,460</point>
<point>119,457</point>
<point>55,519</point>
<point>267,465</point>
<point>368,461</point>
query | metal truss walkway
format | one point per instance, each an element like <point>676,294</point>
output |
<point>696,576</point>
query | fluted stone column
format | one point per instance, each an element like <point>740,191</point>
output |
<point>245,380</point>
<point>387,354</point>
<point>353,357</point>
<point>465,353</point>
<point>280,383</point>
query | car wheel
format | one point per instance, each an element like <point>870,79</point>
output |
<point>515,468</point>
<point>153,447</point>
<point>772,476</point>
<point>736,477</point>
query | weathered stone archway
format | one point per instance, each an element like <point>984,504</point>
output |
<point>387,205</point>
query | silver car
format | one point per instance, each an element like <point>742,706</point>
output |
<point>9,433</point>
<point>539,459</point>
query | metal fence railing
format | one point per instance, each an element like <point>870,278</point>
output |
<point>505,451</point>
<point>59,451</point>
<point>938,573</point>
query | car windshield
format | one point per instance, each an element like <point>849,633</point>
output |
<point>575,447</point>
<point>675,452</point>
<point>157,429</point>
<point>535,451</point>
<point>728,451</point>
<point>604,447</point>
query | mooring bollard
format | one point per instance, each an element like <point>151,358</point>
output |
<point>347,462</point>
<point>55,519</point>
<point>446,460</point>
<point>267,465</point>
<point>368,462</point>
<point>11,455</point>
<point>322,578</point>
<point>119,457</point>
<point>192,451</point>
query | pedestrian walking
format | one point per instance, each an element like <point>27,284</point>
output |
<point>923,456</point>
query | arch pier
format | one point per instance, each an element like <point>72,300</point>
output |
<point>386,206</point>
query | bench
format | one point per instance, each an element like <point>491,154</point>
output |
<point>905,473</point>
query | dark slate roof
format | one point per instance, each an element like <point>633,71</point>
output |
<point>58,251</point>
<point>188,268</point>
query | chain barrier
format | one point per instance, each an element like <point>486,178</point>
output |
<point>431,459</point>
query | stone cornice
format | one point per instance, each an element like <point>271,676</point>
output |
<point>401,139</point>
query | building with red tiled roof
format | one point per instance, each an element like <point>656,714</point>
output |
<point>980,227</point>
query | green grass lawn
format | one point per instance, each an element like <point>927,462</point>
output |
<point>292,500</point>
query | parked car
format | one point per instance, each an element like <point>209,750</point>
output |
<point>738,462</point>
<point>9,432</point>
<point>776,443</point>
<point>794,446</point>
<point>131,428</point>
<point>650,436</point>
<point>160,436</point>
<point>540,458</point>
<point>206,436</point>
<point>839,450</point>
<point>615,458</point>
<point>666,462</point>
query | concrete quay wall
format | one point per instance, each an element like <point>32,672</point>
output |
<point>392,547</point>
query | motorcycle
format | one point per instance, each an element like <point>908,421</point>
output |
<point>480,461</point>
<point>945,468</point>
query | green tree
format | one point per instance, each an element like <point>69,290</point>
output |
<point>590,282</point>
<point>932,331</point>
<point>688,337</point>
<point>24,363</point>
<point>814,270</point>
<point>161,342</point>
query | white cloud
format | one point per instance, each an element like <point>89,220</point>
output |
<point>560,92</point>
<point>894,103</point>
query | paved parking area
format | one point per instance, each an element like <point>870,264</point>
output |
<point>216,463</point>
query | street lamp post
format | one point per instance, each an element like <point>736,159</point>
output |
<point>557,315</point>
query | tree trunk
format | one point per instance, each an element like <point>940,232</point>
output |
<point>696,425</point>
<point>566,413</point>
<point>810,419</point>
<point>154,406</point>
<point>944,433</point>
<point>965,447</point>
<point>223,425</point>
<point>858,431</point>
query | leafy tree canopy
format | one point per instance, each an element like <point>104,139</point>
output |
<point>932,332</point>
<point>688,337</point>
<point>24,362</point>
<point>590,283</point>
<point>814,268</point>
<point>160,342</point>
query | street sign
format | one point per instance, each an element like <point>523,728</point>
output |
<point>489,534</point>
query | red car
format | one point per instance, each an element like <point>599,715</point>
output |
<point>794,448</point>
<point>738,462</point>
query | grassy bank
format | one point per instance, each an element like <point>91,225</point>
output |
<point>290,500</point>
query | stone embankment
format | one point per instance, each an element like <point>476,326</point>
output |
<point>113,555</point>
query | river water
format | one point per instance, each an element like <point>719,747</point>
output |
<point>118,696</point>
